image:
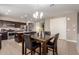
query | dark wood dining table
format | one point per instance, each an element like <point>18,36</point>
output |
<point>42,40</point>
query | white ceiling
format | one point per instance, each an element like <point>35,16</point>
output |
<point>19,10</point>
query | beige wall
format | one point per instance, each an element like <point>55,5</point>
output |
<point>72,27</point>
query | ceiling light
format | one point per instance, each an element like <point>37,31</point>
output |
<point>41,14</point>
<point>34,16</point>
<point>68,19</point>
<point>6,13</point>
<point>8,10</point>
<point>74,29</point>
<point>38,15</point>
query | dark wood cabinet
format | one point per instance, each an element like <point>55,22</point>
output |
<point>18,37</point>
<point>4,35</point>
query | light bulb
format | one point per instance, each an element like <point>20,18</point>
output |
<point>68,19</point>
<point>41,14</point>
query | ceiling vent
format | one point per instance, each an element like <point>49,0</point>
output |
<point>51,5</point>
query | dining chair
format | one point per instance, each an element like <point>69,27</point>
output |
<point>32,46</point>
<point>47,33</point>
<point>53,45</point>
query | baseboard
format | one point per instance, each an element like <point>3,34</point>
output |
<point>70,40</point>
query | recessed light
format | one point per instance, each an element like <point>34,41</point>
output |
<point>74,29</point>
<point>8,10</point>
<point>68,19</point>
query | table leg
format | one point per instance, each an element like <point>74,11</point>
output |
<point>44,48</point>
<point>22,46</point>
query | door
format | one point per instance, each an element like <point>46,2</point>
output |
<point>58,25</point>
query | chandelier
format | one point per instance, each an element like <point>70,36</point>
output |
<point>38,15</point>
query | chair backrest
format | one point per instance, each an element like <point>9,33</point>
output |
<point>50,39</point>
<point>28,43</point>
<point>47,33</point>
<point>31,33</point>
<point>55,40</point>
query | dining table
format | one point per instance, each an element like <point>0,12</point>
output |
<point>42,40</point>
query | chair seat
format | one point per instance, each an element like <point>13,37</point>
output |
<point>50,45</point>
<point>35,45</point>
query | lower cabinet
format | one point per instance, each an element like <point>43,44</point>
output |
<point>4,35</point>
<point>18,37</point>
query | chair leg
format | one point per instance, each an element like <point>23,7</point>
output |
<point>32,52</point>
<point>56,51</point>
<point>53,52</point>
<point>39,50</point>
<point>47,49</point>
<point>25,51</point>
